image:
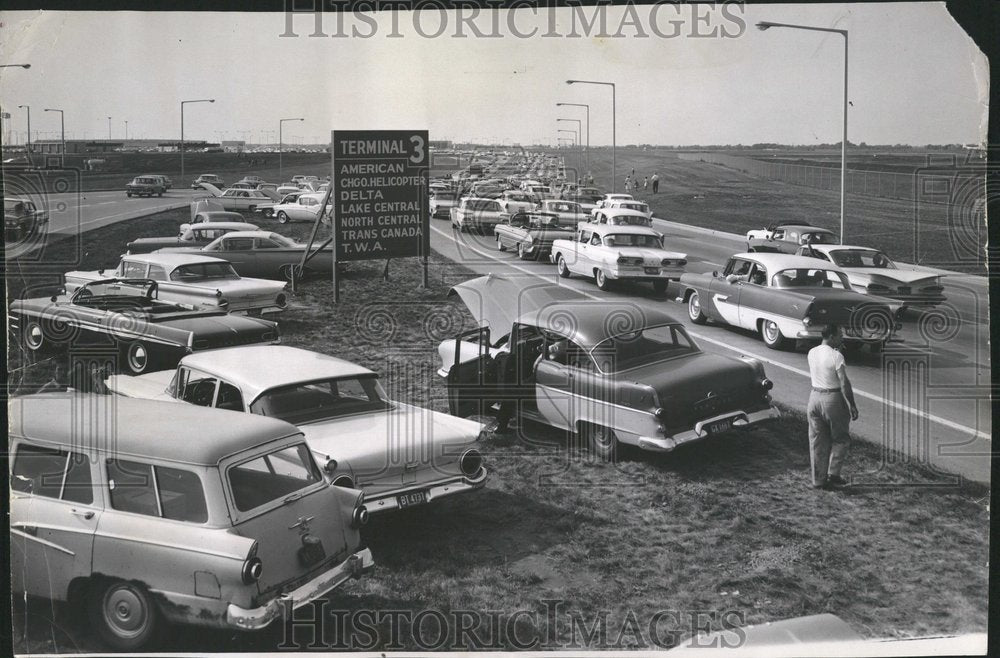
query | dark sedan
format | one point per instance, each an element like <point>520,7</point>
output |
<point>125,316</point>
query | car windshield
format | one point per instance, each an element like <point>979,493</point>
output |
<point>199,271</point>
<point>137,288</point>
<point>480,204</point>
<point>563,207</point>
<point>810,278</point>
<point>641,207</point>
<point>271,476</point>
<point>632,240</point>
<point>628,220</point>
<point>145,181</point>
<point>643,347</point>
<point>861,258</point>
<point>321,400</point>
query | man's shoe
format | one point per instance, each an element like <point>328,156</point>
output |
<point>836,481</point>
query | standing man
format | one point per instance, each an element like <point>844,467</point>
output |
<point>831,410</point>
<point>656,182</point>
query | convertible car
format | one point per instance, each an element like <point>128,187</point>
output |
<point>612,253</point>
<point>192,235</point>
<point>531,234</point>
<point>872,272</point>
<point>398,454</point>
<point>192,280</point>
<point>611,372</point>
<point>125,315</point>
<point>788,298</point>
<point>262,254</point>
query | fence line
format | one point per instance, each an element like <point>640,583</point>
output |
<point>934,186</point>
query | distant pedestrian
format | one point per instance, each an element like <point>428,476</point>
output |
<point>628,184</point>
<point>645,183</point>
<point>656,182</point>
<point>831,410</point>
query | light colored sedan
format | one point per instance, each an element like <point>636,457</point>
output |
<point>193,280</point>
<point>236,199</point>
<point>303,208</point>
<point>398,454</point>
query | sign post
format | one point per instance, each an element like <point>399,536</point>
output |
<point>380,205</point>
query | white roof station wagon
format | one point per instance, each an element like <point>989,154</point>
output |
<point>115,508</point>
<point>400,455</point>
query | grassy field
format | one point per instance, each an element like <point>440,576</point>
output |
<point>716,197</point>
<point>720,533</point>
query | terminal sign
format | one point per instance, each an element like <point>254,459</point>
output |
<point>380,194</point>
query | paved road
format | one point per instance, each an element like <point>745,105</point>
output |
<point>71,212</point>
<point>928,399</point>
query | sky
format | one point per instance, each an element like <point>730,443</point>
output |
<point>688,75</point>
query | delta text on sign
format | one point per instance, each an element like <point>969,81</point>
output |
<point>380,194</point>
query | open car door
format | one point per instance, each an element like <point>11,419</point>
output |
<point>473,376</point>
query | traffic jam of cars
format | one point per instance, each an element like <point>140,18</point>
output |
<point>298,448</point>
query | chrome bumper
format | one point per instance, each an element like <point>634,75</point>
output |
<point>460,484</point>
<point>256,618</point>
<point>739,418</point>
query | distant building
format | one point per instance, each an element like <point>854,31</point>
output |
<point>76,146</point>
<point>233,146</point>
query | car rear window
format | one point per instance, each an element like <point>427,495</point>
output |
<point>274,475</point>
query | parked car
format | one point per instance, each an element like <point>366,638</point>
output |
<point>287,189</point>
<point>263,254</point>
<point>143,514</point>
<point>614,196</point>
<point>398,454</point>
<point>619,217</point>
<point>303,208</point>
<point>477,213</point>
<point>628,204</point>
<point>235,199</point>
<point>145,186</point>
<point>766,232</point>
<point>252,180</point>
<point>531,234</point>
<point>586,197</point>
<point>608,371</point>
<point>207,178</point>
<point>195,235</point>
<point>788,298</point>
<point>872,272</point>
<point>126,317</point>
<point>192,280</point>
<point>787,239</point>
<point>215,217</point>
<point>612,253</point>
<point>21,218</point>
<point>569,212</point>
<point>441,203</point>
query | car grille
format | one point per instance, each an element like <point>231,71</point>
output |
<point>904,290</point>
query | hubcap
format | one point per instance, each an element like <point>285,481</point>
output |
<point>602,438</point>
<point>771,331</point>
<point>34,336</point>
<point>694,304</point>
<point>138,357</point>
<point>125,611</point>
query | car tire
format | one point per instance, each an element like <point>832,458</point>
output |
<point>660,287</point>
<point>159,194</point>
<point>137,358</point>
<point>290,272</point>
<point>771,335</point>
<point>123,614</point>
<point>561,267</point>
<point>128,194</point>
<point>500,245</point>
<point>282,217</point>
<point>33,336</point>
<point>602,442</point>
<point>268,212</point>
<point>694,309</point>
<point>252,209</point>
<point>601,279</point>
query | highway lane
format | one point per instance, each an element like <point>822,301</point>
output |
<point>72,213</point>
<point>928,399</point>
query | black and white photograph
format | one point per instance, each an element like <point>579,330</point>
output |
<point>394,328</point>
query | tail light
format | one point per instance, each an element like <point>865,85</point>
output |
<point>252,567</point>
<point>766,384</point>
<point>471,462</point>
<point>360,515</point>
<point>281,300</point>
<point>223,303</point>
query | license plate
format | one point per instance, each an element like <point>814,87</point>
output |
<point>412,498</point>
<point>720,426</point>
<point>652,270</point>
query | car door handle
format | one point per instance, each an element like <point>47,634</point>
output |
<point>82,513</point>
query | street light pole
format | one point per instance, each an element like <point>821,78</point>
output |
<point>109,131</point>
<point>27,146</point>
<point>579,129</point>
<point>571,132</point>
<point>62,130</point>
<point>281,144</point>
<point>126,130</point>
<point>764,25</point>
<point>200,100</point>
<point>588,126</point>
<point>614,145</point>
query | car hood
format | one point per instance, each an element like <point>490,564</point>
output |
<point>211,188</point>
<point>496,301</point>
